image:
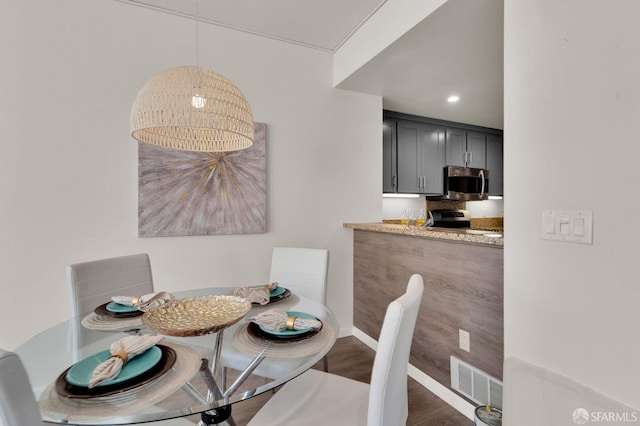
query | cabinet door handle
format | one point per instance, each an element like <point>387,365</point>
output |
<point>394,181</point>
<point>464,157</point>
<point>471,157</point>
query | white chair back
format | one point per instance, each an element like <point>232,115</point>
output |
<point>93,283</point>
<point>319,398</point>
<point>302,270</point>
<point>18,406</point>
<point>388,403</point>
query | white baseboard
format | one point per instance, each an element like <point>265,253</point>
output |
<point>343,332</point>
<point>441,391</point>
<point>365,338</point>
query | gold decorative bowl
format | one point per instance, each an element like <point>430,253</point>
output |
<point>197,315</point>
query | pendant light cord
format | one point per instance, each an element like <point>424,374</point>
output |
<point>197,33</point>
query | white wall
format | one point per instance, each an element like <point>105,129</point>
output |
<point>572,102</point>
<point>68,169</point>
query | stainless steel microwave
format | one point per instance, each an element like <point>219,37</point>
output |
<point>464,184</point>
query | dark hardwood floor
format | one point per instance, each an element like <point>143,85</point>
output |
<point>352,358</point>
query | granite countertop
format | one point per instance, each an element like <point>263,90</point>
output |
<point>472,236</point>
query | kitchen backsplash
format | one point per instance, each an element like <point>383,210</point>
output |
<point>488,208</point>
<point>392,208</point>
<point>495,223</point>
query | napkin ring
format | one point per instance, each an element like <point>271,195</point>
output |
<point>290,321</point>
<point>272,286</point>
<point>135,300</point>
<point>120,354</point>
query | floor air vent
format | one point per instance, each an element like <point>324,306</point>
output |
<point>475,384</point>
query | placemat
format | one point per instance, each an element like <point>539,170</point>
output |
<point>187,364</point>
<point>94,321</point>
<point>247,343</point>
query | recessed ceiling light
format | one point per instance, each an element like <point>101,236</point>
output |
<point>453,98</point>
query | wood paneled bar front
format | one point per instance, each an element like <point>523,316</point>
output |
<point>463,290</point>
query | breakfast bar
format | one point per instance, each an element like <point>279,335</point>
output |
<point>470,236</point>
<point>463,277</point>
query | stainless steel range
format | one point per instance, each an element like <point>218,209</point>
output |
<point>449,219</point>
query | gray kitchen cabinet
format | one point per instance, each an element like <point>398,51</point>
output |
<point>456,147</point>
<point>389,161</point>
<point>415,150</point>
<point>495,164</point>
<point>420,156</point>
<point>477,150</point>
<point>466,149</point>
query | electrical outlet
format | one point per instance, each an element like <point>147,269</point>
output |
<point>465,340</point>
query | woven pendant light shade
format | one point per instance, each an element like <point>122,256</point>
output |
<point>192,109</point>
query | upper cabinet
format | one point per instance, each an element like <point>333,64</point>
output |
<point>420,158</point>
<point>389,162</point>
<point>415,150</point>
<point>466,149</point>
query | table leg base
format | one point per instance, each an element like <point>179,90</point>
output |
<point>216,416</point>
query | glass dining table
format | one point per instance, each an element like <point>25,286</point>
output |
<point>203,374</point>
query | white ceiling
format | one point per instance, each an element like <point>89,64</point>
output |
<point>457,49</point>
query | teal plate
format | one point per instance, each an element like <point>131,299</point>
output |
<point>104,312</point>
<point>290,333</point>
<point>117,308</point>
<point>80,373</point>
<point>277,291</point>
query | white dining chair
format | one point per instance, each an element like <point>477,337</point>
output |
<point>304,272</point>
<point>93,283</point>
<point>301,270</point>
<point>18,405</point>
<point>319,398</point>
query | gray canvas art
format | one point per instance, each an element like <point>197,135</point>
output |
<point>194,193</point>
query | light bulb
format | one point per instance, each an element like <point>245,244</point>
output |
<point>198,101</point>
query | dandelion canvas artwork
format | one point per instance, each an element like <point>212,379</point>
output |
<point>195,193</point>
